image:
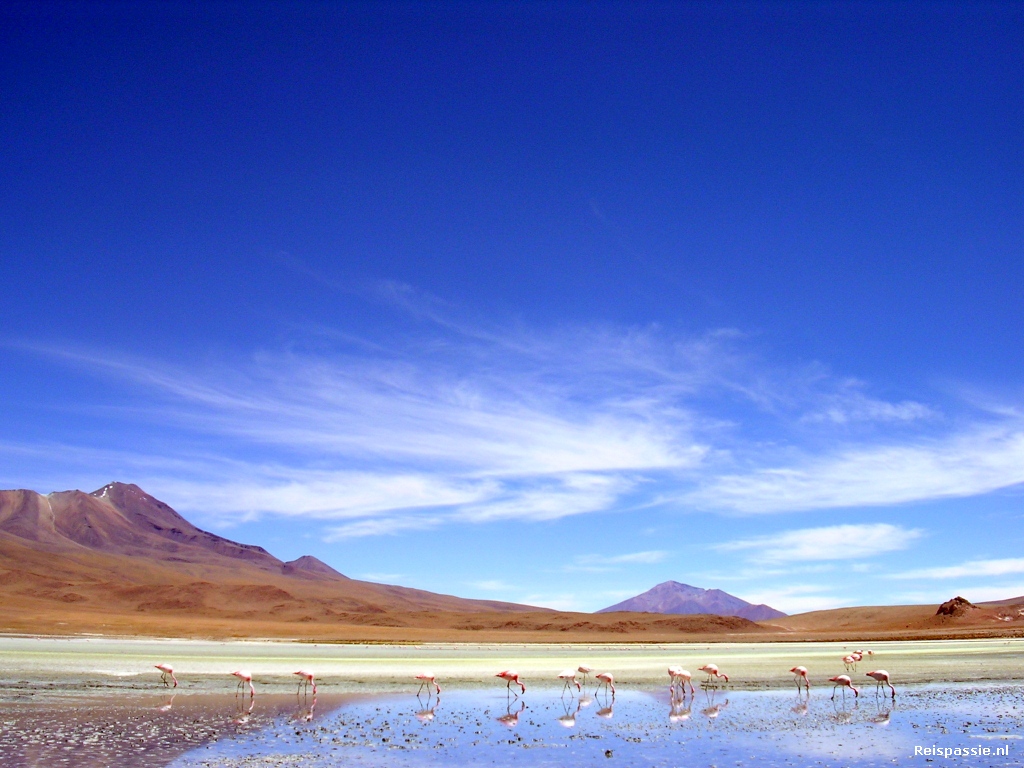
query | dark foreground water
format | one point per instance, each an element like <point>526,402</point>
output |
<point>473,726</point>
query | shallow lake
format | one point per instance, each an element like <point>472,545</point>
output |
<point>469,725</point>
<point>92,702</point>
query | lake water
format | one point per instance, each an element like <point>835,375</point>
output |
<point>98,702</point>
<point>482,725</point>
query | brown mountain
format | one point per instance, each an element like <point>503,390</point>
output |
<point>673,597</point>
<point>118,548</point>
<point>118,560</point>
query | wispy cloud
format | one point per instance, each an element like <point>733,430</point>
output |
<point>798,598</point>
<point>492,585</point>
<point>594,563</point>
<point>957,465</point>
<point>383,578</point>
<point>849,404</point>
<point>457,424</point>
<point>836,542</point>
<point>972,569</point>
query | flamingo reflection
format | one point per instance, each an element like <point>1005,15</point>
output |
<point>881,717</point>
<point>426,711</point>
<point>166,706</point>
<point>800,708</point>
<point>241,713</point>
<point>840,713</point>
<point>568,720</point>
<point>305,711</point>
<point>679,712</point>
<point>713,710</point>
<point>511,719</point>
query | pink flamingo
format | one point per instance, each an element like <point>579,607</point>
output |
<point>712,671</point>
<point>244,676</point>
<point>511,676</point>
<point>845,682</point>
<point>607,680</point>
<point>850,663</point>
<point>800,673</point>
<point>427,679</point>
<point>680,676</point>
<point>584,670</point>
<point>569,676</point>
<point>165,670</point>
<point>881,678</point>
<point>306,679</point>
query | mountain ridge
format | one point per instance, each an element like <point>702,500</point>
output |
<point>119,547</point>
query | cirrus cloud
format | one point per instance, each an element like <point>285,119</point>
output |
<point>834,542</point>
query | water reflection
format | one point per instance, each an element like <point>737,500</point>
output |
<point>802,704</point>
<point>714,708</point>
<point>840,711</point>
<point>305,710</point>
<point>168,705</point>
<point>243,713</point>
<point>568,720</point>
<point>679,711</point>
<point>883,713</point>
<point>759,728</point>
<point>425,713</point>
<point>510,718</point>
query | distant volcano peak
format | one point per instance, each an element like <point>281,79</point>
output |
<point>677,598</point>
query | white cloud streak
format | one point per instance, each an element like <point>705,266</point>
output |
<point>836,542</point>
<point>473,426</point>
<point>958,465</point>
<point>972,569</point>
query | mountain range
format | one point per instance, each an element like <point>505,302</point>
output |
<point>675,598</point>
<point>118,547</point>
<point>118,561</point>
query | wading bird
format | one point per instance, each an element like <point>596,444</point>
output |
<point>165,671</point>
<point>679,676</point>
<point>712,672</point>
<point>850,663</point>
<point>569,676</point>
<point>844,682</point>
<point>427,679</point>
<point>607,680</point>
<point>584,670</point>
<point>881,678</point>
<point>800,673</point>
<point>511,676</point>
<point>244,676</point>
<point>307,679</point>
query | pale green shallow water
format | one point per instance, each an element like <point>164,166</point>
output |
<point>103,663</point>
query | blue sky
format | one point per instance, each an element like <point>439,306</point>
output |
<point>545,302</point>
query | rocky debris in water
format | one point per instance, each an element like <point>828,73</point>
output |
<point>958,606</point>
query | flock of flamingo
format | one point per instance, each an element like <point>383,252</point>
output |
<point>678,677</point>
